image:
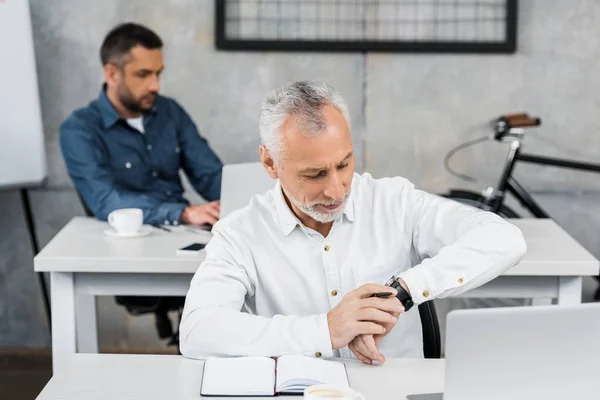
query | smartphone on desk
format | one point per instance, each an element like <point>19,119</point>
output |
<point>190,250</point>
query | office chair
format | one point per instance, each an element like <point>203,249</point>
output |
<point>432,346</point>
<point>159,306</point>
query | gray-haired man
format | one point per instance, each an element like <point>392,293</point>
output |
<point>293,272</point>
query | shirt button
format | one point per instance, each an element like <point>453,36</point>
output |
<point>127,165</point>
<point>318,354</point>
<point>326,248</point>
<point>334,293</point>
<point>166,222</point>
<point>460,280</point>
<point>175,223</point>
<point>168,192</point>
<point>177,150</point>
<point>425,293</point>
<point>154,174</point>
<point>149,147</point>
<point>298,226</point>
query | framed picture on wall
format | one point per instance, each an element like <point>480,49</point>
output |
<point>421,26</point>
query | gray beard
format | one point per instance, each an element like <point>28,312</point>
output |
<point>309,209</point>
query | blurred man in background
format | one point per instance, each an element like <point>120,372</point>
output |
<point>125,149</point>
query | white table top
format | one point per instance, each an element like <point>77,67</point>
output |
<point>149,377</point>
<point>81,246</point>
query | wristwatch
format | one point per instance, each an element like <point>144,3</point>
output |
<point>403,295</point>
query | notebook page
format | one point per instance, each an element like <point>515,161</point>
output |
<point>294,373</point>
<point>245,376</point>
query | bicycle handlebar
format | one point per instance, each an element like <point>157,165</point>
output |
<point>520,120</point>
<point>514,116</point>
<point>523,122</point>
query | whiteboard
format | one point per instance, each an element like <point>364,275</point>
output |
<point>22,156</point>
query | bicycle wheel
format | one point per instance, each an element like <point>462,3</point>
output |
<point>476,200</point>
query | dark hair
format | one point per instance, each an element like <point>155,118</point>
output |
<point>123,38</point>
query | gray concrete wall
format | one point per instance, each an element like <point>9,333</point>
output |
<point>408,111</point>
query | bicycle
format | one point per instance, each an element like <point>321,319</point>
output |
<point>511,128</point>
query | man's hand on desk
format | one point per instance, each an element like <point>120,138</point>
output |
<point>366,347</point>
<point>203,214</point>
<point>358,314</point>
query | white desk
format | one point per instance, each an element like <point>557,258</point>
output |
<point>148,377</point>
<point>83,263</point>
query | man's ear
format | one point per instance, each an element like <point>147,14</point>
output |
<point>112,75</point>
<point>268,162</point>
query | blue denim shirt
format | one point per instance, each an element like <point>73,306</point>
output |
<point>116,166</point>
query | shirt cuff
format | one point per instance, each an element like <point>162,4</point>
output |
<point>418,287</point>
<point>168,214</point>
<point>323,340</point>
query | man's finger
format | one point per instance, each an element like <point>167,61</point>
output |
<point>391,305</point>
<point>369,328</point>
<point>209,210</point>
<point>363,348</point>
<point>375,315</point>
<point>372,349</point>
<point>354,348</point>
<point>214,204</point>
<point>208,219</point>
<point>370,288</point>
<point>213,212</point>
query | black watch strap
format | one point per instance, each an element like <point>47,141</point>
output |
<point>403,296</point>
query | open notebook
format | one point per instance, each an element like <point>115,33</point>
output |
<point>263,376</point>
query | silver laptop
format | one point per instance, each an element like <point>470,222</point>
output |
<point>240,182</point>
<point>546,352</point>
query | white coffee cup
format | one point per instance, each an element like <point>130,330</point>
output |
<point>331,392</point>
<point>126,220</point>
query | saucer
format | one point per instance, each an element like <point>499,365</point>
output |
<point>145,230</point>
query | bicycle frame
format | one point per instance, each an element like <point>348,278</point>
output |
<point>509,184</point>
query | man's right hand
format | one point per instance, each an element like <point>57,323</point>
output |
<point>203,214</point>
<point>359,314</point>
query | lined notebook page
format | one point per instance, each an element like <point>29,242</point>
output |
<point>294,373</point>
<point>246,376</point>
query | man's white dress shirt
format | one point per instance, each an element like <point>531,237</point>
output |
<point>268,281</point>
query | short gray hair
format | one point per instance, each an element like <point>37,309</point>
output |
<point>303,100</point>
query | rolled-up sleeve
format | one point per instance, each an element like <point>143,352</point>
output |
<point>214,322</point>
<point>461,247</point>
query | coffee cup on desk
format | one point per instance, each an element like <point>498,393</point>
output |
<point>329,392</point>
<point>126,220</point>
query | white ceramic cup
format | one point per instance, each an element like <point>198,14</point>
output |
<point>331,392</point>
<point>126,220</point>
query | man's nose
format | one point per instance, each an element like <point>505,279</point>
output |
<point>154,84</point>
<point>335,188</point>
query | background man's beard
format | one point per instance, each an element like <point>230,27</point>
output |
<point>131,104</point>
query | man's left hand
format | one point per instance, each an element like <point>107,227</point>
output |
<point>366,347</point>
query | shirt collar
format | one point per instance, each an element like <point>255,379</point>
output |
<point>110,116</point>
<point>288,220</point>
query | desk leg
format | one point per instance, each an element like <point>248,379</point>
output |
<point>569,290</point>
<point>63,319</point>
<point>86,324</point>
